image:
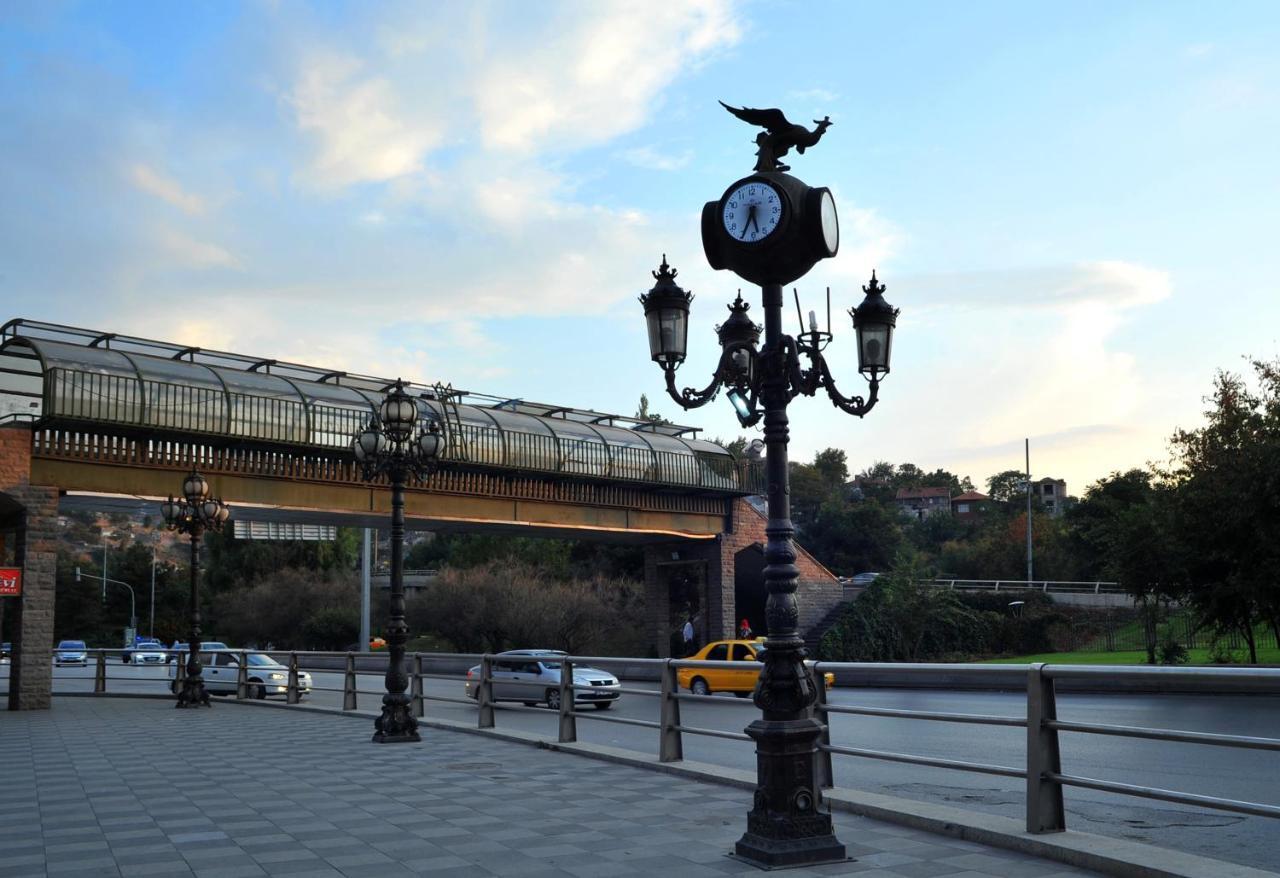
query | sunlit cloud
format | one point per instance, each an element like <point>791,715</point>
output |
<point>166,189</point>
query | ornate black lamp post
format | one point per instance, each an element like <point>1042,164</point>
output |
<point>398,443</point>
<point>770,229</point>
<point>192,514</point>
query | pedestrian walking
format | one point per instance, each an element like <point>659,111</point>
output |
<point>744,629</point>
<point>687,632</point>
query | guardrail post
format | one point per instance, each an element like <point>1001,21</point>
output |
<point>1045,812</point>
<point>349,684</point>
<point>415,692</point>
<point>242,678</point>
<point>179,673</point>
<point>291,694</point>
<point>670,741</point>
<point>485,720</point>
<point>822,766</point>
<point>568,722</point>
<point>100,674</point>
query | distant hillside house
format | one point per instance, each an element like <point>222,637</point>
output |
<point>922,502</point>
<point>969,505</point>
<point>1052,494</point>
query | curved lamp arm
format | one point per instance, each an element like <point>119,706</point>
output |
<point>689,398</point>
<point>820,376</point>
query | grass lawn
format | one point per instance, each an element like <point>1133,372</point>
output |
<point>1266,656</point>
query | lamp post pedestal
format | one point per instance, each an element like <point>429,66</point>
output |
<point>784,827</point>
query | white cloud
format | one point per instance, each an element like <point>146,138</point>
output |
<point>165,188</point>
<point>358,124</point>
<point>818,95</point>
<point>655,159</point>
<point>187,252</point>
<point>597,73</point>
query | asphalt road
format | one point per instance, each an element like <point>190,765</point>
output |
<point>1248,775</point>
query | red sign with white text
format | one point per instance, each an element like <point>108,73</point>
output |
<point>10,582</point>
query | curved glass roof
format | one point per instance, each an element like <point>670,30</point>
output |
<point>63,373</point>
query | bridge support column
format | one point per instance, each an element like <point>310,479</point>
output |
<point>29,532</point>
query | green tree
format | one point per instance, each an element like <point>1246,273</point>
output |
<point>854,537</point>
<point>1008,486</point>
<point>1226,480</point>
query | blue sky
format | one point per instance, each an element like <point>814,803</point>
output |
<point>1072,204</point>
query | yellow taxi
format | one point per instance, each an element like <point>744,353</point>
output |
<point>704,681</point>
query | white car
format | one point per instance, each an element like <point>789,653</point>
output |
<point>147,654</point>
<point>532,676</point>
<point>265,676</point>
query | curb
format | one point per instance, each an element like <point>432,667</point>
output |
<point>1111,856</point>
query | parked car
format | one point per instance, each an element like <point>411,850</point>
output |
<point>71,652</point>
<point>182,647</point>
<point>864,579</point>
<point>264,676</point>
<point>516,672</point>
<point>705,681</point>
<point>148,652</point>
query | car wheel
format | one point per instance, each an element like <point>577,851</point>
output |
<point>699,687</point>
<point>553,699</point>
<point>603,705</point>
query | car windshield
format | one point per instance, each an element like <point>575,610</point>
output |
<point>548,659</point>
<point>258,660</point>
<point>71,644</point>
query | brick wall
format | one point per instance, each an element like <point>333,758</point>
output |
<point>817,593</point>
<point>31,672</point>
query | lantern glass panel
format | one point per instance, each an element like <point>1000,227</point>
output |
<point>668,334</point>
<point>873,348</point>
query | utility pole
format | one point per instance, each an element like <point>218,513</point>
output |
<point>151,628</point>
<point>104,573</point>
<point>1029,567</point>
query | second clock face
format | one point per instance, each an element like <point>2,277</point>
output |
<point>752,211</point>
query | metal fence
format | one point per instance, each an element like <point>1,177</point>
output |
<point>1048,586</point>
<point>1042,769</point>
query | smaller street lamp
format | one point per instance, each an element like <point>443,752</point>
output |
<point>192,514</point>
<point>399,444</point>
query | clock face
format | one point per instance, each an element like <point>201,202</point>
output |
<point>752,211</point>
<point>830,224</point>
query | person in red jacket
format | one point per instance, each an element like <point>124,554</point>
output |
<point>744,629</point>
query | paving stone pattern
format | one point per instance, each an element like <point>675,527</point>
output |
<point>133,787</point>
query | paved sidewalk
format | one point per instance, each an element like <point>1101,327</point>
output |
<point>134,787</point>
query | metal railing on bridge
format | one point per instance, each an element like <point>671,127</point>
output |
<point>1049,586</point>
<point>1042,769</point>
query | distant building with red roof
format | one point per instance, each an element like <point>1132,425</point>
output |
<point>920,503</point>
<point>969,505</point>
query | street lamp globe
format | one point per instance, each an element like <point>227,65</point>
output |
<point>430,441</point>
<point>195,488</point>
<point>399,414</point>
<point>368,443</point>
<point>874,321</point>
<point>666,310</point>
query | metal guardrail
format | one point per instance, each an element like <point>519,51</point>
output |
<point>1049,586</point>
<point>1042,769</point>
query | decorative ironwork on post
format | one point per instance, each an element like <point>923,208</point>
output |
<point>195,512</point>
<point>402,441</point>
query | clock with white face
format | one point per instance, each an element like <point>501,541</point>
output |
<point>752,211</point>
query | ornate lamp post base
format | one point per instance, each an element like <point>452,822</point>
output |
<point>785,827</point>
<point>193,693</point>
<point>397,724</point>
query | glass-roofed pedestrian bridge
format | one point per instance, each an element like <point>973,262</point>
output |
<point>72,378</point>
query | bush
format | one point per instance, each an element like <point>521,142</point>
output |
<point>508,604</point>
<point>1171,651</point>
<point>331,628</point>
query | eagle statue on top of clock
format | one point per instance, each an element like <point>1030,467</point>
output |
<point>770,227</point>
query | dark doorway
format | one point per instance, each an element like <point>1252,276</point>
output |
<point>748,589</point>
<point>686,585</point>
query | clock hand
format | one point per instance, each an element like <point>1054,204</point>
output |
<point>751,220</point>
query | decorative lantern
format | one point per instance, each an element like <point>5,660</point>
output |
<point>874,321</point>
<point>666,310</point>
